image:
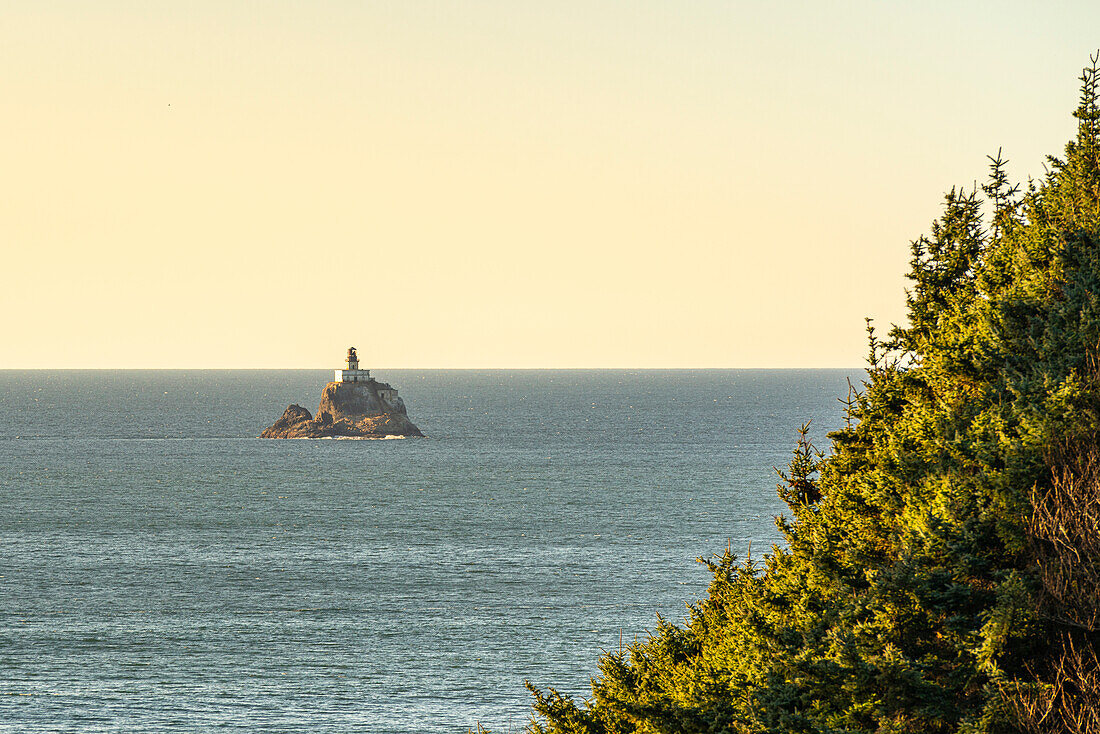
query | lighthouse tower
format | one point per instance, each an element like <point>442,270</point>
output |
<point>352,373</point>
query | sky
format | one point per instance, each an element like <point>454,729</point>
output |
<point>512,184</point>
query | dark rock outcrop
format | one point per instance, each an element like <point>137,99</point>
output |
<point>295,417</point>
<point>369,409</point>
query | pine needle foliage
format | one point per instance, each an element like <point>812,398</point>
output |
<point>941,571</point>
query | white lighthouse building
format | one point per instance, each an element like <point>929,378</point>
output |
<point>352,373</point>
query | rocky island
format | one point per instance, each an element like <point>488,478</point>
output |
<point>353,405</point>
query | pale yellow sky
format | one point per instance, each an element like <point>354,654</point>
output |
<point>496,184</point>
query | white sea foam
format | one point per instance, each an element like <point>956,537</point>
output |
<point>350,438</point>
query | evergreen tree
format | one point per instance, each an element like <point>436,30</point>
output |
<point>941,571</point>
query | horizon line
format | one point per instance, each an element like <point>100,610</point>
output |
<point>455,369</point>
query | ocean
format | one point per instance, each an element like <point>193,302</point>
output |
<point>162,569</point>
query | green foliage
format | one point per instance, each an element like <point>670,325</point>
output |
<point>907,596</point>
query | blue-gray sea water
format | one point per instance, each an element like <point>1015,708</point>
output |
<point>161,569</point>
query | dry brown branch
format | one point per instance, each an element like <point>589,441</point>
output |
<point>1065,535</point>
<point>1070,702</point>
<point>1064,693</point>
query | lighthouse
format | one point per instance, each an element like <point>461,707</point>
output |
<point>352,373</point>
